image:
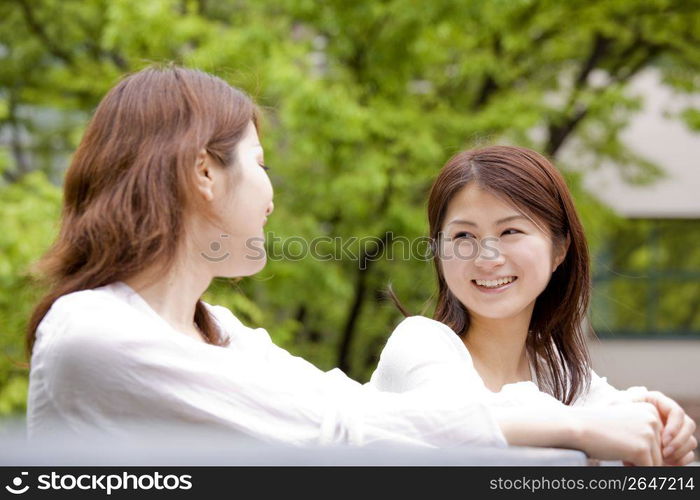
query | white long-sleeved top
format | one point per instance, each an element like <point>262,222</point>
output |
<point>104,357</point>
<point>422,355</point>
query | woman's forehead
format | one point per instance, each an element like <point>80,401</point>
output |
<point>475,206</point>
<point>476,202</point>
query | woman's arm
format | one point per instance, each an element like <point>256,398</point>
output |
<point>361,414</point>
<point>107,365</point>
<point>434,413</point>
<point>628,432</point>
<point>600,392</point>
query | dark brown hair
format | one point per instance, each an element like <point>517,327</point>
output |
<point>127,188</point>
<point>556,340</point>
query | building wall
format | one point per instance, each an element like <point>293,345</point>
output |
<point>658,134</point>
<point>670,366</point>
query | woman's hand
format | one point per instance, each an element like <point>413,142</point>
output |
<point>630,432</point>
<point>677,440</point>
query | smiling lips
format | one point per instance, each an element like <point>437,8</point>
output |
<point>494,285</point>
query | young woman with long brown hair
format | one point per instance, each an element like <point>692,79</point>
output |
<point>166,191</point>
<point>513,290</point>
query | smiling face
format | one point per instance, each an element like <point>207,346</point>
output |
<point>494,258</point>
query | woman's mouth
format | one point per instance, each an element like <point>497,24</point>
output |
<point>494,286</point>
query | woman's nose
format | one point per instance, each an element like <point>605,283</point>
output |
<point>270,208</point>
<point>489,255</point>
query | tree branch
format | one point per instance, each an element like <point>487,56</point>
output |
<point>18,152</point>
<point>365,262</point>
<point>37,28</point>
<point>560,132</point>
<point>599,50</point>
<point>98,52</point>
<point>367,259</point>
<point>488,86</point>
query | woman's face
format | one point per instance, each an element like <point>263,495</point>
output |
<point>241,202</point>
<point>495,260</point>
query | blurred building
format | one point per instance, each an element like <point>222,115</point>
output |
<point>646,305</point>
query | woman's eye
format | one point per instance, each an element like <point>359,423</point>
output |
<point>462,234</point>
<point>264,167</point>
<point>510,231</point>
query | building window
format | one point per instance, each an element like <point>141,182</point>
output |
<point>647,281</point>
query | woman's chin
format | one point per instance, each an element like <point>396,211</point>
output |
<point>239,270</point>
<point>251,267</point>
<point>494,313</point>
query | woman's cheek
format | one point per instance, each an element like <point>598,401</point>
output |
<point>535,259</point>
<point>451,269</point>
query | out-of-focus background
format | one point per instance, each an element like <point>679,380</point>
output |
<point>364,102</point>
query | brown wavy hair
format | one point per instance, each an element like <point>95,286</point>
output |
<point>128,185</point>
<point>556,340</point>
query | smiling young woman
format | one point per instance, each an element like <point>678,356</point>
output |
<point>516,198</point>
<point>513,290</point>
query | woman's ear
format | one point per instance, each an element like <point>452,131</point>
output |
<point>204,183</point>
<point>560,251</point>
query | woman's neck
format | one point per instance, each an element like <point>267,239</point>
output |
<point>498,349</point>
<point>174,293</point>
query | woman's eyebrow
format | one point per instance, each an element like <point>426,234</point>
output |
<point>500,221</point>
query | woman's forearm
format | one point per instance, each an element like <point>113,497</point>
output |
<point>537,426</point>
<point>630,432</point>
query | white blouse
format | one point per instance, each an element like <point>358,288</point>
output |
<point>423,354</point>
<point>103,357</point>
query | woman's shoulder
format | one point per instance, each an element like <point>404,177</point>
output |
<point>423,330</point>
<point>423,322</point>
<point>224,316</point>
<point>86,307</point>
<point>86,334</point>
<point>419,338</point>
<point>422,353</point>
<point>235,330</point>
<point>88,316</point>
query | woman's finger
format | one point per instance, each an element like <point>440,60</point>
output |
<point>683,449</point>
<point>656,454</point>
<point>670,412</point>
<point>681,438</point>
<point>673,423</point>
<point>687,459</point>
